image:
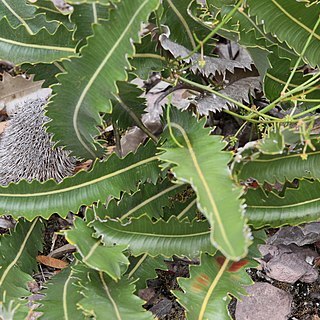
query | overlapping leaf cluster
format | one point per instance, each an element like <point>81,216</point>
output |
<point>182,192</point>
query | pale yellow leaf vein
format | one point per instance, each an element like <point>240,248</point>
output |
<point>295,20</point>
<point>96,74</point>
<point>106,289</point>
<point>214,206</point>
<point>81,185</point>
<point>19,253</point>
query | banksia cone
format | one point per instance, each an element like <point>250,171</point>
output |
<point>26,151</point>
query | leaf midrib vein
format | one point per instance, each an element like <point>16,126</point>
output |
<point>95,75</point>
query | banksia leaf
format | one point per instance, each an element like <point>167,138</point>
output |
<point>105,179</point>
<point>20,12</point>
<point>167,238</point>
<point>103,62</point>
<point>206,292</point>
<point>103,297</point>
<point>297,24</point>
<point>18,262</point>
<point>62,290</point>
<point>107,258</point>
<point>298,205</point>
<point>143,268</point>
<point>150,199</point>
<point>199,160</point>
<point>18,46</point>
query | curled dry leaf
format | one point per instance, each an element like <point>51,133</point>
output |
<point>52,262</point>
<point>16,90</point>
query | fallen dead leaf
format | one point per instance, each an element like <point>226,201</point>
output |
<point>52,262</point>
<point>83,166</point>
<point>3,125</point>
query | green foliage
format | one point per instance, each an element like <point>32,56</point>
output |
<point>17,261</point>
<point>199,160</point>
<point>216,181</point>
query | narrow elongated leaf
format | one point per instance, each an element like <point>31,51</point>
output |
<point>21,13</point>
<point>281,167</point>
<point>109,259</point>
<point>130,96</point>
<point>206,292</point>
<point>18,46</point>
<point>169,238</point>
<point>106,178</point>
<point>18,261</point>
<point>103,61</point>
<point>52,13</point>
<point>150,199</point>
<point>144,268</point>
<point>62,291</point>
<point>84,15</point>
<point>297,206</point>
<point>182,26</point>
<point>199,160</point>
<point>297,24</point>
<point>107,299</point>
<point>277,76</point>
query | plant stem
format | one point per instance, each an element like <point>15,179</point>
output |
<point>183,21</point>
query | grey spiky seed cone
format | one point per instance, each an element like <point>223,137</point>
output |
<point>26,151</point>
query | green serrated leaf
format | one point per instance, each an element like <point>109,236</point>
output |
<point>52,13</point>
<point>43,71</point>
<point>103,62</point>
<point>109,259</point>
<point>106,178</point>
<point>103,297</point>
<point>21,13</point>
<point>18,46</point>
<point>297,24</point>
<point>143,268</point>
<point>200,161</point>
<point>280,167</point>
<point>300,205</point>
<point>167,238</point>
<point>206,292</point>
<point>18,262</point>
<point>277,76</point>
<point>130,96</point>
<point>62,291</point>
<point>150,199</point>
<point>84,15</point>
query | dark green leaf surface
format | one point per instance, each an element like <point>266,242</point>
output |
<point>206,298</point>
<point>18,46</point>
<point>169,238</point>
<point>281,167</point>
<point>150,199</point>
<point>200,161</point>
<point>297,23</point>
<point>103,297</point>
<point>298,206</point>
<point>109,258</point>
<point>61,297</point>
<point>103,62</point>
<point>18,262</point>
<point>106,178</point>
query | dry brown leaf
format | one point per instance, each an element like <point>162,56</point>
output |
<point>3,125</point>
<point>14,90</point>
<point>83,166</point>
<point>52,262</point>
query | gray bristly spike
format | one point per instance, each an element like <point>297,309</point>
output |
<point>26,151</point>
